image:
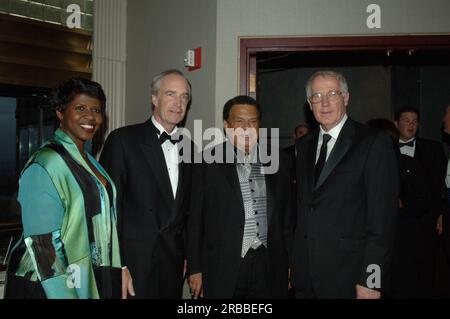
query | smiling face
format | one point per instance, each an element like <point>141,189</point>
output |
<point>330,111</point>
<point>244,122</point>
<point>81,119</point>
<point>171,101</point>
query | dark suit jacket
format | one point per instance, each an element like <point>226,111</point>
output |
<point>422,193</point>
<point>431,155</point>
<point>216,228</point>
<point>346,221</point>
<point>150,221</point>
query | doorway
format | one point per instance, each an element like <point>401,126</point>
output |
<point>384,73</point>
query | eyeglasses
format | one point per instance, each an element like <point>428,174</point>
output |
<point>332,95</point>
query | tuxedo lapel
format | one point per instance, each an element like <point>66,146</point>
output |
<point>419,152</point>
<point>153,153</point>
<point>269,179</point>
<point>233,179</point>
<point>341,147</point>
<point>230,172</point>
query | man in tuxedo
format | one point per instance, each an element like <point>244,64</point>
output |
<point>347,188</point>
<point>153,190</point>
<point>422,194</point>
<point>240,230</point>
<point>446,216</point>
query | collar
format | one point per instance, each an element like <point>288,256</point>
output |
<point>61,137</point>
<point>407,141</point>
<point>334,132</point>
<point>161,129</point>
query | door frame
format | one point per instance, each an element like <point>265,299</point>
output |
<point>250,47</point>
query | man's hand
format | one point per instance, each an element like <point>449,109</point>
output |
<point>366,293</point>
<point>195,285</point>
<point>127,284</point>
<point>439,225</point>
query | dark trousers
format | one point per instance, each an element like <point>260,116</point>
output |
<point>413,258</point>
<point>252,281</point>
<point>306,291</point>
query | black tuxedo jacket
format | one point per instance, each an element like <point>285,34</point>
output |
<point>216,228</point>
<point>430,155</point>
<point>151,222</point>
<point>346,219</point>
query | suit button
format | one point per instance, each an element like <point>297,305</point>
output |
<point>305,236</point>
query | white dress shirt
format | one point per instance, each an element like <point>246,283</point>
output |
<point>334,132</point>
<point>408,150</point>
<point>171,156</point>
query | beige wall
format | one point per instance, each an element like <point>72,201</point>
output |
<point>158,35</point>
<point>160,31</point>
<point>249,18</point>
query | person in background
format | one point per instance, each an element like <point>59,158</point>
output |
<point>422,174</point>
<point>299,131</point>
<point>446,216</point>
<point>69,247</point>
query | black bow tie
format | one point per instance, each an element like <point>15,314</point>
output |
<point>164,137</point>
<point>410,143</point>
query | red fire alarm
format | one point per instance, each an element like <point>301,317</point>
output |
<point>193,60</point>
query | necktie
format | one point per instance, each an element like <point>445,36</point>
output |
<point>322,156</point>
<point>164,137</point>
<point>410,143</point>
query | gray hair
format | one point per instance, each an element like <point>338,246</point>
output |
<point>156,82</point>
<point>327,73</point>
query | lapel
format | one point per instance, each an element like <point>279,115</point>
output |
<point>270,179</point>
<point>419,152</point>
<point>340,148</point>
<point>311,159</point>
<point>230,172</point>
<point>151,148</point>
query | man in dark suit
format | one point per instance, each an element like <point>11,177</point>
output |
<point>240,230</point>
<point>347,186</point>
<point>153,190</point>
<point>422,183</point>
<point>445,222</point>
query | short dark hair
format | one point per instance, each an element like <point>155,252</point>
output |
<point>406,109</point>
<point>67,90</point>
<point>240,99</point>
